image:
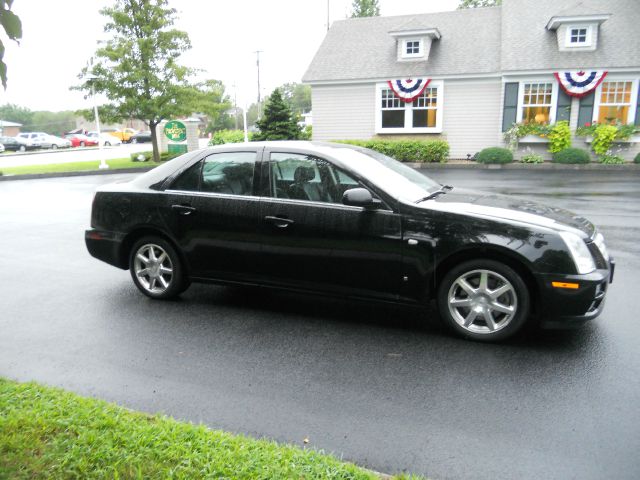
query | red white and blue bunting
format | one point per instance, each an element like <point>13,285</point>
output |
<point>578,83</point>
<point>410,89</point>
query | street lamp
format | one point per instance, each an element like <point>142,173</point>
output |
<point>103,163</point>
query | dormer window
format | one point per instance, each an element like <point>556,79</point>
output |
<point>578,36</point>
<point>412,48</point>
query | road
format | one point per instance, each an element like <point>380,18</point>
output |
<point>374,384</point>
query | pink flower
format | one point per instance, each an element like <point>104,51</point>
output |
<point>588,124</point>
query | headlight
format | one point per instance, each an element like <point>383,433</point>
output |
<point>579,251</point>
<point>599,241</point>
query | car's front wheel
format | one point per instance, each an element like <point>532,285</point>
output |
<point>156,268</point>
<point>483,300</point>
<point>54,146</point>
<point>23,148</point>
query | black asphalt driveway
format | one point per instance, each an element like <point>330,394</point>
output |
<point>372,383</point>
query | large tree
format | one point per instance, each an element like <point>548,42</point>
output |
<point>215,104</point>
<point>297,96</point>
<point>137,69</point>
<point>15,113</point>
<point>12,26</point>
<point>478,3</point>
<point>278,122</point>
<point>365,8</point>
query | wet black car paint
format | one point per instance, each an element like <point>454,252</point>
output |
<point>339,249</point>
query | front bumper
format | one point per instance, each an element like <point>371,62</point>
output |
<point>572,307</point>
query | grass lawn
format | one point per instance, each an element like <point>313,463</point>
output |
<point>116,164</point>
<point>49,433</point>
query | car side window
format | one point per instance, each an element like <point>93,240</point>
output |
<point>305,177</point>
<point>230,173</point>
<point>189,180</point>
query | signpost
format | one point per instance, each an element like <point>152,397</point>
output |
<point>176,132</point>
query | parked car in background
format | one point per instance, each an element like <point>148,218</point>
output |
<point>16,144</point>
<point>106,138</point>
<point>35,139</point>
<point>348,221</point>
<point>57,142</point>
<point>141,137</point>
<point>124,134</point>
<point>1,148</point>
<point>79,140</point>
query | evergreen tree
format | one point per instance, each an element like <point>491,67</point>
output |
<point>278,122</point>
<point>365,8</point>
<point>478,3</point>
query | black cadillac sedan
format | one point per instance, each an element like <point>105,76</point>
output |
<point>348,221</point>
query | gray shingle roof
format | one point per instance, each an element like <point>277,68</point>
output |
<point>476,41</point>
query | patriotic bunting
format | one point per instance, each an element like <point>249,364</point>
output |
<point>579,83</point>
<point>410,89</point>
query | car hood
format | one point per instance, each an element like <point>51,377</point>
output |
<point>510,208</point>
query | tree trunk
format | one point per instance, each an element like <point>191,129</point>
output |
<point>154,141</point>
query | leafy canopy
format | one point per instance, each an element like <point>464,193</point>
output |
<point>137,69</point>
<point>13,28</point>
<point>278,122</point>
<point>478,3</point>
<point>365,8</point>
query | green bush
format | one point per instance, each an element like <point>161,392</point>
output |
<point>571,155</point>
<point>495,155</point>
<point>637,159</point>
<point>532,158</point>
<point>228,136</point>
<point>559,137</point>
<point>427,151</point>
<point>307,133</point>
<point>611,159</point>
<point>148,156</point>
<point>603,137</point>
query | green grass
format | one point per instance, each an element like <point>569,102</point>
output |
<point>118,163</point>
<point>49,433</point>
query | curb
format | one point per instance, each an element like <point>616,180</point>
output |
<point>85,173</point>
<point>525,166</point>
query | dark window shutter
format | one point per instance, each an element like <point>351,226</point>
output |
<point>563,112</point>
<point>585,113</point>
<point>637,121</point>
<point>510,112</point>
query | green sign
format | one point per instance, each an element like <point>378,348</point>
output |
<point>175,131</point>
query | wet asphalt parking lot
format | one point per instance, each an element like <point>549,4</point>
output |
<point>375,384</point>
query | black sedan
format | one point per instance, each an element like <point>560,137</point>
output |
<point>348,221</point>
<point>17,144</point>
<point>141,137</point>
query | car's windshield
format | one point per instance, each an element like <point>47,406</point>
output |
<point>397,179</point>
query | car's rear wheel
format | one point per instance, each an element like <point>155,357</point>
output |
<point>156,268</point>
<point>54,146</point>
<point>483,300</point>
<point>82,144</point>
<point>107,144</point>
<point>23,148</point>
<point>134,140</point>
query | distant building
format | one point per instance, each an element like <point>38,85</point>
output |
<point>469,75</point>
<point>9,129</point>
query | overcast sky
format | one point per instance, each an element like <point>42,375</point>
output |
<point>59,38</point>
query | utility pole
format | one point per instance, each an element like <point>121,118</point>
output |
<point>327,15</point>
<point>235,104</point>
<point>258,52</point>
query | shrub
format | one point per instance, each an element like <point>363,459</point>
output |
<point>428,151</point>
<point>559,137</point>
<point>141,156</point>
<point>228,136</point>
<point>495,155</point>
<point>611,159</point>
<point>166,156</point>
<point>571,155</point>
<point>637,159</point>
<point>532,158</point>
<point>603,136</point>
<point>307,133</point>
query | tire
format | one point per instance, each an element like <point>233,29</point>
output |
<point>483,300</point>
<point>134,140</point>
<point>82,144</point>
<point>54,146</point>
<point>156,268</point>
<point>23,148</point>
<point>107,144</point>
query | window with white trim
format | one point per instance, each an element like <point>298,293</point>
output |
<point>423,115</point>
<point>412,47</point>
<point>536,102</point>
<point>578,35</point>
<point>615,102</point>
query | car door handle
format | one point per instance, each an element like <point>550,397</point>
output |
<point>280,222</point>
<point>183,209</point>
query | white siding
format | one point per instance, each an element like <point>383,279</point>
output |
<point>472,116</point>
<point>343,111</point>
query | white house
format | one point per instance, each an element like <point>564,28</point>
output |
<point>468,75</point>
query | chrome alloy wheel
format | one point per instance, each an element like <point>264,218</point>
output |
<point>482,301</point>
<point>153,268</point>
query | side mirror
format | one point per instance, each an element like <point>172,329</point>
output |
<point>360,197</point>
